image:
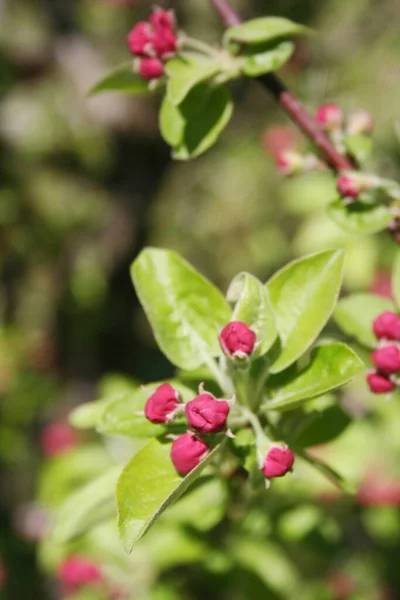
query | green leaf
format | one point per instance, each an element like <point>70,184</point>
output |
<point>206,111</point>
<point>358,146</point>
<point>264,29</point>
<point>266,58</point>
<point>184,73</point>
<point>124,416</point>
<point>396,279</point>
<point>87,416</point>
<point>355,314</point>
<point>172,123</point>
<point>185,310</point>
<point>323,426</point>
<point>253,308</point>
<point>87,507</point>
<point>360,218</point>
<point>122,79</point>
<point>147,486</point>
<point>303,295</point>
<point>331,365</point>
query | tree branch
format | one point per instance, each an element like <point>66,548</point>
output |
<point>288,102</point>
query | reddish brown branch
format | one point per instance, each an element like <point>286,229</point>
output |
<point>288,102</point>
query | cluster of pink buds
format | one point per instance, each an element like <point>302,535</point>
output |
<point>386,358</point>
<point>205,414</point>
<point>153,42</point>
<point>330,118</point>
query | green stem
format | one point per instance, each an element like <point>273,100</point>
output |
<point>195,44</point>
<point>262,440</point>
<point>223,381</point>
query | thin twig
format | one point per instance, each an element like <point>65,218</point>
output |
<point>288,102</point>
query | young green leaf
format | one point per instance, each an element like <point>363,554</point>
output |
<point>355,314</point>
<point>125,416</point>
<point>184,73</point>
<point>87,416</point>
<point>303,295</point>
<point>147,486</point>
<point>263,29</point>
<point>185,310</point>
<point>172,123</point>
<point>359,146</point>
<point>360,218</point>
<point>396,279</point>
<point>261,59</point>
<point>124,80</point>
<point>323,426</point>
<point>331,366</point>
<point>88,506</point>
<point>205,111</point>
<point>253,308</point>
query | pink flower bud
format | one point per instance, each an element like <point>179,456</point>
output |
<point>360,122</point>
<point>78,571</point>
<point>187,452</point>
<point>289,162</point>
<point>329,116</point>
<point>163,18</point>
<point>161,405</point>
<point>57,439</point>
<point>278,461</point>
<point>140,39</point>
<point>379,384</point>
<point>206,414</point>
<point>349,186</point>
<point>387,359</point>
<point>165,42</point>
<point>387,325</point>
<point>150,68</point>
<point>237,340</point>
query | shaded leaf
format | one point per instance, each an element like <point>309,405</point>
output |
<point>185,310</point>
<point>147,486</point>
<point>264,29</point>
<point>303,295</point>
<point>124,80</point>
<point>264,59</point>
<point>358,217</point>
<point>323,426</point>
<point>331,365</point>
<point>355,314</point>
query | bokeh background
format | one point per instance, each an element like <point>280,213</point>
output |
<point>84,184</point>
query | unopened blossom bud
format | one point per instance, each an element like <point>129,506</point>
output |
<point>163,18</point>
<point>329,116</point>
<point>349,186</point>
<point>140,39</point>
<point>289,162</point>
<point>387,359</point>
<point>379,384</point>
<point>161,405</point>
<point>58,438</point>
<point>278,461</point>
<point>360,122</point>
<point>78,571</point>
<point>150,68</point>
<point>205,414</point>
<point>387,325</point>
<point>237,340</point>
<point>187,452</point>
<point>165,42</point>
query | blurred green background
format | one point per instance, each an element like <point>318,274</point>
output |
<point>84,184</point>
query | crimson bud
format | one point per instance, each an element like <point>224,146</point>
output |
<point>387,359</point>
<point>379,384</point>
<point>237,340</point>
<point>150,68</point>
<point>58,438</point>
<point>163,18</point>
<point>187,452</point>
<point>278,461</point>
<point>348,186</point>
<point>165,42</point>
<point>387,325</point>
<point>329,116</point>
<point>161,405</point>
<point>140,39</point>
<point>77,571</point>
<point>206,414</point>
<point>289,162</point>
